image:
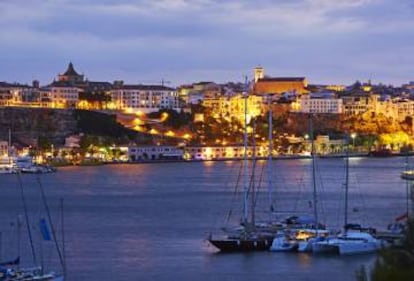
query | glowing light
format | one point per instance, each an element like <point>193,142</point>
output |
<point>170,134</point>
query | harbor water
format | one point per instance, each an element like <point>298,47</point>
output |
<point>149,221</point>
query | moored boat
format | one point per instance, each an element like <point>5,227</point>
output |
<point>407,175</point>
<point>351,242</point>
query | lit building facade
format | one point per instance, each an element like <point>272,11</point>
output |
<point>277,85</point>
<point>223,152</point>
<point>234,106</point>
<point>59,95</point>
<point>156,152</point>
<point>145,98</point>
<point>357,104</point>
<point>311,104</point>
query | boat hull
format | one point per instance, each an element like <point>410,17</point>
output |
<point>358,248</point>
<point>239,245</point>
<point>281,244</point>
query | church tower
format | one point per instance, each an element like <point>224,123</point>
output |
<point>70,75</point>
<point>258,73</point>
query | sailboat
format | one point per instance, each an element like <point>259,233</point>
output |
<point>11,271</point>
<point>249,238</point>
<point>301,238</point>
<point>349,241</point>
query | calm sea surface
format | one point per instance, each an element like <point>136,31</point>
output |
<point>149,221</point>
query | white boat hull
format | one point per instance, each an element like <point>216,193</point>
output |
<point>349,244</point>
<point>281,244</point>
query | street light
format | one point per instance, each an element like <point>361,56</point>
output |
<point>353,136</point>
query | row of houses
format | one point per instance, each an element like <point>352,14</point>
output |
<point>323,145</point>
<point>66,91</point>
<point>70,89</point>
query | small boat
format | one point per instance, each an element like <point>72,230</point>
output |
<point>408,175</point>
<point>247,242</point>
<point>28,274</point>
<point>7,170</point>
<point>381,153</point>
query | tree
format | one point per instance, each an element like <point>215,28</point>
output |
<point>394,264</point>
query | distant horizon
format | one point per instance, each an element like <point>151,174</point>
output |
<point>185,41</point>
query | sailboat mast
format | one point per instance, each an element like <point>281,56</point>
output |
<point>26,216</point>
<point>346,182</point>
<point>313,152</point>
<point>9,150</point>
<point>270,159</point>
<point>246,187</point>
<point>42,192</point>
<point>407,187</point>
<point>252,183</point>
<point>63,237</point>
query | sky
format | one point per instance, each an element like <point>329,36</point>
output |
<point>186,41</point>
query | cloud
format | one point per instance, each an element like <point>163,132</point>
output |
<point>203,37</point>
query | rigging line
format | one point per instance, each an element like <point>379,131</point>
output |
<point>233,199</point>
<point>26,215</point>
<point>50,221</point>
<point>251,188</point>
<point>63,237</point>
<point>322,194</point>
<point>258,186</point>
<point>361,197</point>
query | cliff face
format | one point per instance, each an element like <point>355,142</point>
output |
<point>27,124</point>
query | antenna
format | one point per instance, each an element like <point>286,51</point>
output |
<point>164,82</point>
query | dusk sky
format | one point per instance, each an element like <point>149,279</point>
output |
<point>185,41</point>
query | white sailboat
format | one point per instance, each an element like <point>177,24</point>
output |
<point>349,241</point>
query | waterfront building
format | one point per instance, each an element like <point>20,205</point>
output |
<point>324,145</point>
<point>223,152</point>
<point>4,148</point>
<point>72,141</point>
<point>145,98</point>
<point>155,152</point>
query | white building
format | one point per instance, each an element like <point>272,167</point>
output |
<point>147,153</point>
<point>145,98</point>
<point>59,95</point>
<point>321,103</point>
<point>223,152</point>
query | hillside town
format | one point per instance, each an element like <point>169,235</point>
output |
<point>205,120</point>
